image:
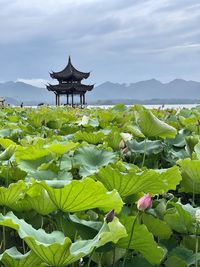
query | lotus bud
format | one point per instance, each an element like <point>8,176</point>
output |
<point>197,215</point>
<point>144,202</point>
<point>125,150</point>
<point>110,216</point>
<point>122,144</point>
<point>56,131</point>
<point>198,123</point>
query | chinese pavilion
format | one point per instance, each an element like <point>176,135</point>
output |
<point>69,80</point>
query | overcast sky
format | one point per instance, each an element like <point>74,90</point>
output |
<point>118,40</point>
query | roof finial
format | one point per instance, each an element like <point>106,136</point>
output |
<point>69,61</point>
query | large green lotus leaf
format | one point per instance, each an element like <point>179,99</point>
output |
<point>171,178</point>
<point>109,232</point>
<point>173,154</point>
<point>30,166</point>
<point>113,139</point>
<point>83,195</point>
<point>9,195</point>
<point>148,147</point>
<point>8,152</point>
<point>95,225</point>
<point>148,181</point>
<point>180,257</point>
<point>156,226</point>
<point>142,240</point>
<point>134,129</point>
<point>180,219</point>
<point>151,126</point>
<point>91,138</point>
<point>62,148</point>
<point>9,132</point>
<point>13,258</point>
<point>30,153</point>
<point>36,198</point>
<point>55,249</point>
<point>197,150</point>
<point>136,261</point>
<point>89,122</point>
<point>65,163</point>
<point>179,140</point>
<point>30,158</point>
<point>90,159</point>
<point>189,241</point>
<point>109,257</point>
<point>175,261</point>
<point>191,142</point>
<point>51,178</point>
<point>190,170</point>
<point>87,229</point>
<point>5,143</point>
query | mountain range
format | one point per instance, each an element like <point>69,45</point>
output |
<point>177,90</point>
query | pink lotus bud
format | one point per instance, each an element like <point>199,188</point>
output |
<point>122,144</point>
<point>144,202</point>
<point>125,150</point>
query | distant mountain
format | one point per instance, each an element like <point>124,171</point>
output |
<point>17,92</point>
<point>145,90</point>
<point>177,90</point>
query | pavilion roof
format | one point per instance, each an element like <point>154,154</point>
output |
<point>70,73</point>
<point>65,88</point>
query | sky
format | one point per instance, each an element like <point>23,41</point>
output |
<point>121,41</point>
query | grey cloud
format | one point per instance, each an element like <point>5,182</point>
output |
<point>139,37</point>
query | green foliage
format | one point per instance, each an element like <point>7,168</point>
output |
<point>70,180</point>
<point>151,126</point>
<point>83,195</point>
<point>142,241</point>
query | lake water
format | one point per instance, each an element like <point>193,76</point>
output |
<point>170,106</point>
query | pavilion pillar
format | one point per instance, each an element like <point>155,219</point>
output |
<point>67,99</point>
<point>83,99</point>
<point>72,99</point>
<point>58,100</point>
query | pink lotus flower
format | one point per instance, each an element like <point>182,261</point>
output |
<point>144,202</point>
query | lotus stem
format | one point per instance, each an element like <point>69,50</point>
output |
<point>193,194</point>
<point>23,245</point>
<point>90,259</point>
<point>4,231</point>
<point>113,265</point>
<point>145,151</point>
<point>99,262</point>
<point>131,236</point>
<point>196,245</point>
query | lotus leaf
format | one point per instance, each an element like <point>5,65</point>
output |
<point>179,219</point>
<point>151,126</point>
<point>148,147</point>
<point>13,258</point>
<point>142,240</point>
<point>91,138</point>
<point>144,181</point>
<point>90,159</point>
<point>55,249</point>
<point>190,170</point>
<point>83,195</point>
<point>156,226</point>
<point>9,195</point>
